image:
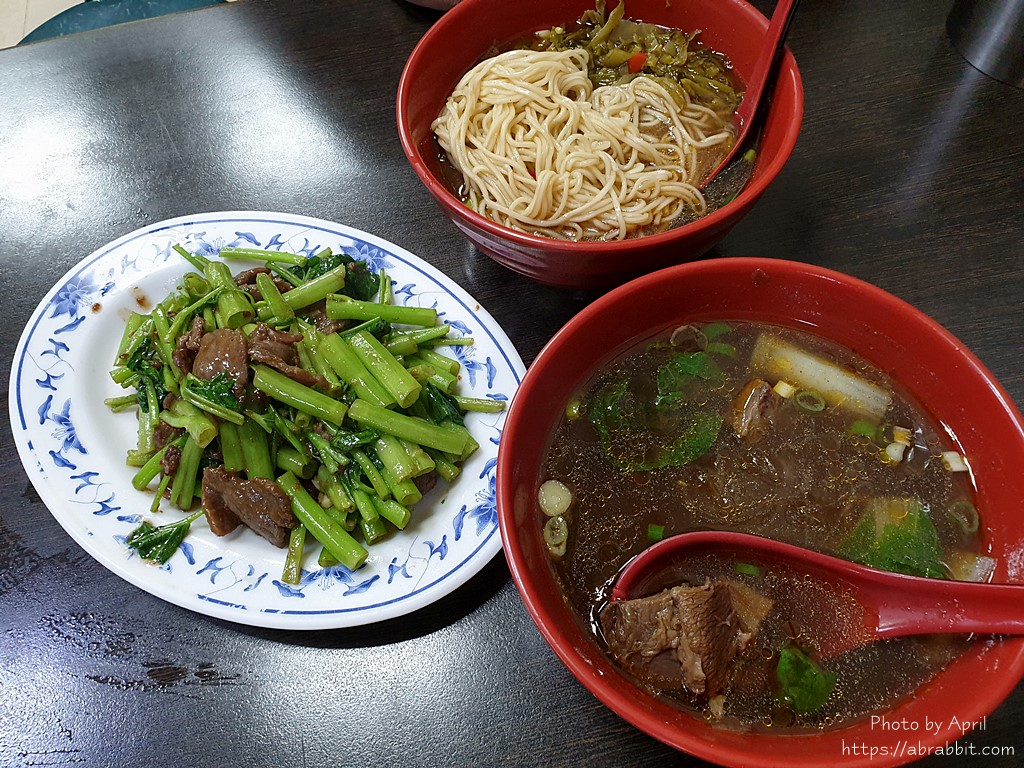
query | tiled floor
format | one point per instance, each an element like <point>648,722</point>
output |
<point>19,17</point>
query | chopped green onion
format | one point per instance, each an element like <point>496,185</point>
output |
<point>556,531</point>
<point>809,400</point>
<point>655,532</point>
<point>721,348</point>
<point>865,428</point>
<point>554,498</point>
<point>748,569</point>
<point>574,409</point>
<point>964,514</point>
<point>954,461</point>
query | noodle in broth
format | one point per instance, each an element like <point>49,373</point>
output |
<point>542,150</point>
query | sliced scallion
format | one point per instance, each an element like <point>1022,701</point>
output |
<point>721,348</point>
<point>964,514</point>
<point>865,428</point>
<point>954,461</point>
<point>748,569</point>
<point>554,498</point>
<point>809,400</point>
<point>556,533</point>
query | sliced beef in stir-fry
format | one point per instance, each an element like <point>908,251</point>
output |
<point>260,504</point>
<point>188,344</point>
<point>223,351</point>
<point>318,314</point>
<point>685,637</point>
<point>247,282</point>
<point>277,349</point>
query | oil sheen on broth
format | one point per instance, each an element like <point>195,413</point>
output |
<point>754,428</point>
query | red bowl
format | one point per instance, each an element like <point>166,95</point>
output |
<point>459,39</point>
<point>929,362</point>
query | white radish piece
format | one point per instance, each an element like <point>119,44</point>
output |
<point>776,359</point>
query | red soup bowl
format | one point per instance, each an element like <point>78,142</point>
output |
<point>460,39</point>
<point>935,369</point>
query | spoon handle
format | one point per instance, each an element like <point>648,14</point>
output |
<point>936,606</point>
<point>762,78</point>
<point>767,62</point>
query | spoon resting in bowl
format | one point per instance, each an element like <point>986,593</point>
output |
<point>757,98</point>
<point>889,604</point>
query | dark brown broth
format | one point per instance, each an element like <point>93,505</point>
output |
<point>805,482</point>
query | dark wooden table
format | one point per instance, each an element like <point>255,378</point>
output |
<point>909,173</point>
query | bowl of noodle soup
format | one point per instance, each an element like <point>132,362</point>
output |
<point>551,434</point>
<point>572,181</point>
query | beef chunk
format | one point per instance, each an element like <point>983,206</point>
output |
<point>752,408</point>
<point>277,349</point>
<point>426,482</point>
<point>685,637</point>
<point>247,282</point>
<point>318,314</point>
<point>172,458</point>
<point>163,433</point>
<point>266,343</point>
<point>223,351</point>
<point>259,504</point>
<point>188,344</point>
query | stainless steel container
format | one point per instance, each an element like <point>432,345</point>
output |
<point>990,35</point>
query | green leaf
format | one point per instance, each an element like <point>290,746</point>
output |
<point>146,362</point>
<point>158,544</point>
<point>360,282</point>
<point>803,685</point>
<point>213,396</point>
<point>677,377</point>
<point>621,422</point>
<point>896,535</point>
<point>345,440</point>
<point>440,405</point>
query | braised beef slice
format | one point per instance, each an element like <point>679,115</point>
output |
<point>425,482</point>
<point>246,280</point>
<point>318,314</point>
<point>752,409</point>
<point>277,349</point>
<point>188,344</point>
<point>685,637</point>
<point>163,433</point>
<point>223,351</point>
<point>258,503</point>
<point>269,342</point>
<point>169,463</point>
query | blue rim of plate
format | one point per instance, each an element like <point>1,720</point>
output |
<point>74,455</point>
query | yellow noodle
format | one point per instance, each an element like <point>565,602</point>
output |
<point>543,151</point>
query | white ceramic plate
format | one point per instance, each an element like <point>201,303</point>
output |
<point>73,447</point>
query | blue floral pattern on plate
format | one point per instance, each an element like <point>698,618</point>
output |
<point>73,448</point>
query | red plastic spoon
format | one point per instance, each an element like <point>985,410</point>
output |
<point>761,80</point>
<point>891,604</point>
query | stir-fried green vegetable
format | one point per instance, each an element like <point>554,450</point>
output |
<point>345,433</point>
<point>160,543</point>
<point>621,49</point>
